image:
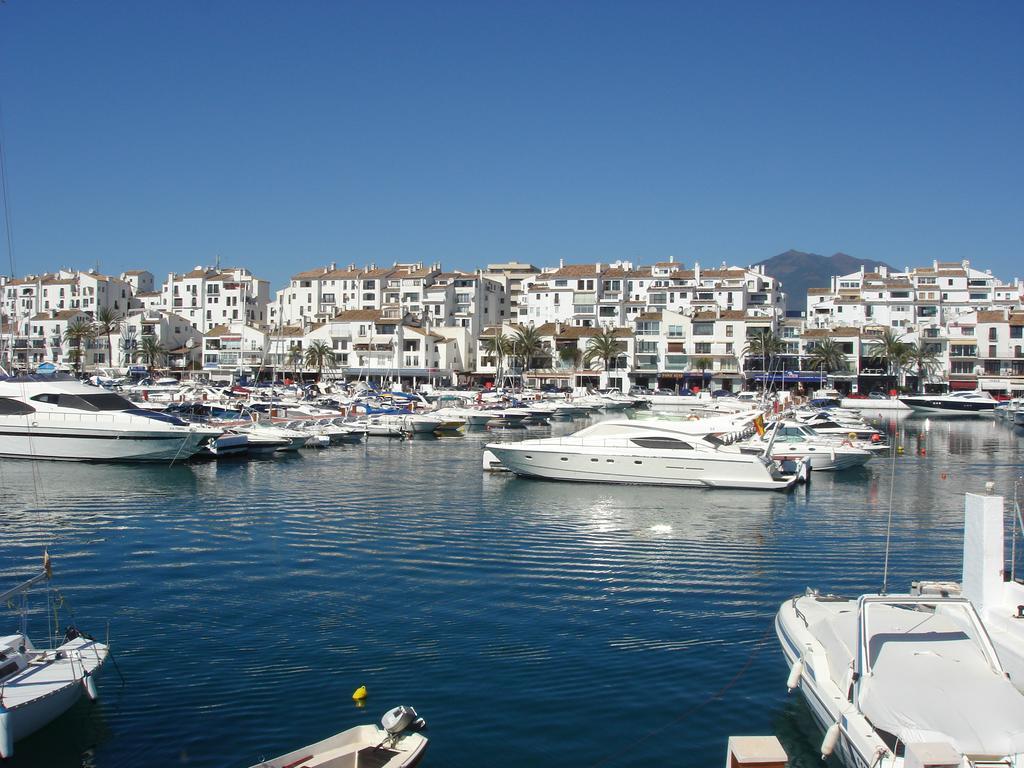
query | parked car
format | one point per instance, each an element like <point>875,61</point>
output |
<point>723,393</point>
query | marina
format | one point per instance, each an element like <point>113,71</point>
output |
<point>478,597</point>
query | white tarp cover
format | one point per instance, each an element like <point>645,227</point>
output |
<point>838,636</point>
<point>930,681</point>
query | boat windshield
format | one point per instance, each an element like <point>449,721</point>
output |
<point>101,401</point>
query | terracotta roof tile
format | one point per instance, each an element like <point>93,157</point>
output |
<point>358,315</point>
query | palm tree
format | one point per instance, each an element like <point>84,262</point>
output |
<point>604,347</point>
<point>766,345</point>
<point>890,350</point>
<point>106,323</point>
<point>319,354</point>
<point>152,351</point>
<point>826,355</point>
<point>526,344</point>
<point>570,355</point>
<point>78,331</point>
<point>295,358</point>
<point>498,346</point>
<point>923,359</point>
<point>703,363</point>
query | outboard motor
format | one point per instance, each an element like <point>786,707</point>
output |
<point>399,719</point>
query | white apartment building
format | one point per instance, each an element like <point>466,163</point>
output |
<point>234,348</point>
<point>66,289</point>
<point>464,300</point>
<point>181,341</point>
<point>208,297</point>
<point>614,294</point>
<point>513,276</point>
<point>922,297</point>
<point>141,280</point>
<point>316,295</point>
<point>42,339</point>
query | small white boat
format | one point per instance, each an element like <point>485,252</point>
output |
<point>226,444</point>
<point>295,438</point>
<point>376,428</point>
<point>902,680</point>
<point>792,441</point>
<point>414,423</point>
<point>259,443</point>
<point>395,743</point>
<point>38,685</point>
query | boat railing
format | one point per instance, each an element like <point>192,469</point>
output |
<point>100,417</point>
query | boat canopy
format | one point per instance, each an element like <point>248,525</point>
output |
<point>928,678</point>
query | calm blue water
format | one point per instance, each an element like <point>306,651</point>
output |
<point>531,623</point>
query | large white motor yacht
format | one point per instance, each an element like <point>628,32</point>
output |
<point>58,417</point>
<point>976,403</point>
<point>902,680</point>
<point>641,452</point>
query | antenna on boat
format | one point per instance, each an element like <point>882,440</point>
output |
<point>1017,520</point>
<point>7,229</point>
<point>888,525</point>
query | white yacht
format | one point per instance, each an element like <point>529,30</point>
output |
<point>975,403</point>
<point>412,423</point>
<point>641,452</point>
<point>791,441</point>
<point>57,417</point>
<point>902,680</point>
<point>40,684</point>
<point>295,438</point>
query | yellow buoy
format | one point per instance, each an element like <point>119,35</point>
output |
<point>899,449</point>
<point>360,693</point>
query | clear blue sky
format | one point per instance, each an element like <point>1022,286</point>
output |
<point>285,135</point>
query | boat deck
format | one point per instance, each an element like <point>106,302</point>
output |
<point>51,671</point>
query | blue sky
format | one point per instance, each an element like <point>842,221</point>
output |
<point>286,135</point>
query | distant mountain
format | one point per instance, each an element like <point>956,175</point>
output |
<point>799,271</point>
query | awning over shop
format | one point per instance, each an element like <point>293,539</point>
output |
<point>962,384</point>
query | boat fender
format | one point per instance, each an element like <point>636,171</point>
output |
<point>794,675</point>
<point>90,687</point>
<point>828,744</point>
<point>6,734</point>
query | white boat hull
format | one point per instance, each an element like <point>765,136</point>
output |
<point>64,444</point>
<point>638,469</point>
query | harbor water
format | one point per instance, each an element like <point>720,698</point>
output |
<point>531,623</point>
